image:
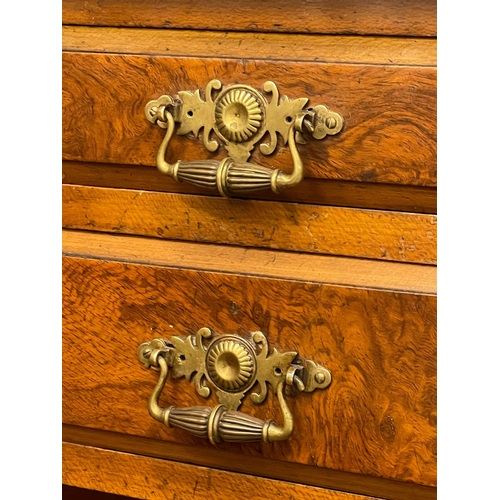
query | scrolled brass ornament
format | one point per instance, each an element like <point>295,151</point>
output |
<point>240,116</point>
<point>232,365</point>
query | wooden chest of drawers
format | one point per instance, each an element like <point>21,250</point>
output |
<point>340,268</point>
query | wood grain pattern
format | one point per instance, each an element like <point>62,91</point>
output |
<point>377,418</point>
<point>392,236</point>
<point>384,17</point>
<point>342,271</point>
<point>390,113</point>
<point>151,478</point>
<point>247,464</point>
<point>269,46</point>
<point>316,191</point>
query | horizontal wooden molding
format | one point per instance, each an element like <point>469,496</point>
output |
<point>269,46</point>
<point>384,17</point>
<point>389,133</point>
<point>259,466</point>
<point>358,273</point>
<point>151,478</point>
<point>391,236</point>
<point>393,197</point>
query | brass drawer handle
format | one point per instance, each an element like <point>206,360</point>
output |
<point>233,366</point>
<point>240,116</point>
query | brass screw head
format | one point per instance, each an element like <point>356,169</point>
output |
<point>331,122</point>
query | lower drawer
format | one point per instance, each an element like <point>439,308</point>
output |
<point>378,417</point>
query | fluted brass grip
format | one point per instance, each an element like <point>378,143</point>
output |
<point>218,424</point>
<point>227,176</point>
<point>240,116</point>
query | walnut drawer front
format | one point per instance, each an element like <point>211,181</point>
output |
<point>379,416</point>
<point>389,108</point>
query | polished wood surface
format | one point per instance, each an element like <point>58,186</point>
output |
<point>269,46</point>
<point>392,236</point>
<point>378,417</point>
<point>247,464</point>
<point>341,268</point>
<point>390,113</point>
<point>316,191</point>
<point>151,478</point>
<point>384,17</point>
<point>359,273</point>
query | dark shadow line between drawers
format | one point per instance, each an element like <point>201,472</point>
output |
<point>343,33</point>
<point>388,197</point>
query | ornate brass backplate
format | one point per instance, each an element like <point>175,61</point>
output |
<point>240,116</point>
<point>231,365</point>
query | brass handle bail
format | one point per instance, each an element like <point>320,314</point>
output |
<point>233,365</point>
<point>219,424</point>
<point>240,116</point>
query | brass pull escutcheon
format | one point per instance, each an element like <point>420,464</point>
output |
<point>240,116</point>
<point>232,365</point>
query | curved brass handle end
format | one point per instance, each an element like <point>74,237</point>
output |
<point>274,432</point>
<point>282,180</point>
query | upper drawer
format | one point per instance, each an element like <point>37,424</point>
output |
<point>384,17</point>
<point>385,91</point>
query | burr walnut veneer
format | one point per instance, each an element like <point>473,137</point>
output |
<point>340,268</point>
